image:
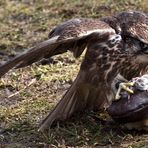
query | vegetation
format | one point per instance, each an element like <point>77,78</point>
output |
<point>28,94</point>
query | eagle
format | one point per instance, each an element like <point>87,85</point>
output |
<point>116,49</point>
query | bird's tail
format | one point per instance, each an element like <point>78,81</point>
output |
<point>79,97</point>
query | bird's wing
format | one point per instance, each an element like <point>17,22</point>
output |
<point>91,89</point>
<point>134,24</point>
<point>73,35</point>
<point>81,96</point>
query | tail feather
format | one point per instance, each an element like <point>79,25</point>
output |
<point>71,102</point>
<point>79,97</point>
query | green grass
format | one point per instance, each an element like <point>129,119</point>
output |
<point>24,23</point>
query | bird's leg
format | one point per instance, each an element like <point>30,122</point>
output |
<point>120,83</point>
<point>125,86</point>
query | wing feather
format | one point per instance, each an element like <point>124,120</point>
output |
<point>73,35</point>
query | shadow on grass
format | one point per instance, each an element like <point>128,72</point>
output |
<point>88,130</point>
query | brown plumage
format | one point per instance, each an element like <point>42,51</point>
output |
<point>115,45</point>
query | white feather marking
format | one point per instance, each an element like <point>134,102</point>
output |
<point>115,38</point>
<point>110,69</point>
<point>53,39</point>
<point>77,20</point>
<point>141,83</point>
<point>143,40</point>
<point>100,31</point>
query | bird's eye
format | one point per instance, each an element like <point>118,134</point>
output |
<point>144,47</point>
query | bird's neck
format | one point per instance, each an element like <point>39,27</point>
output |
<point>135,71</point>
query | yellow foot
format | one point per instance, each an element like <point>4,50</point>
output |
<point>124,86</point>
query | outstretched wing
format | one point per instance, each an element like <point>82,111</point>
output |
<point>91,89</point>
<point>74,35</point>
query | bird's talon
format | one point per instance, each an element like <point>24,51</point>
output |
<point>117,97</point>
<point>124,86</point>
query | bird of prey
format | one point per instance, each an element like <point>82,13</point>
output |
<point>115,45</point>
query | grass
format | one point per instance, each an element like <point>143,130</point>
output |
<point>24,23</point>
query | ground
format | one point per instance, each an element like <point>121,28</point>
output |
<point>28,94</point>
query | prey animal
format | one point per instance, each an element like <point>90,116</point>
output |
<point>115,45</point>
<point>131,109</point>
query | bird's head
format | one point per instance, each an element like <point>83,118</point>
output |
<point>142,54</point>
<point>137,49</point>
<point>134,30</point>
